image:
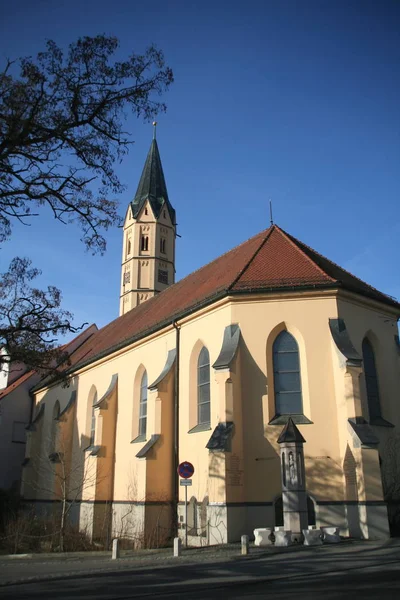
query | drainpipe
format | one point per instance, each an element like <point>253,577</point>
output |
<point>175,461</point>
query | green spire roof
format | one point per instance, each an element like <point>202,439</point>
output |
<point>152,186</point>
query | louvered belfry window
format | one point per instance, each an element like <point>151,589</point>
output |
<point>371,380</point>
<point>287,379</point>
<point>203,387</point>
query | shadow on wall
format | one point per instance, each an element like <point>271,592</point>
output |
<point>61,476</point>
<point>390,466</point>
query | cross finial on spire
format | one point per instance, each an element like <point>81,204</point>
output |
<point>154,129</point>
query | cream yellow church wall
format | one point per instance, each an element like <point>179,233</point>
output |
<point>207,330</point>
<point>130,472</point>
<point>379,325</point>
<point>306,318</point>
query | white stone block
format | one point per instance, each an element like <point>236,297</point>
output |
<point>283,538</point>
<point>245,544</point>
<point>312,537</point>
<point>330,535</point>
<point>262,536</point>
<point>115,550</point>
<point>177,546</point>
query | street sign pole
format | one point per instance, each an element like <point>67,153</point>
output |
<point>186,470</point>
<point>186,519</point>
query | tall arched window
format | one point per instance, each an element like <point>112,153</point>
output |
<point>143,405</point>
<point>287,380</point>
<point>54,428</point>
<point>371,380</point>
<point>92,435</point>
<point>203,387</point>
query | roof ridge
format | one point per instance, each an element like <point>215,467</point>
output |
<point>151,300</point>
<point>295,242</point>
<point>368,285</point>
<point>242,271</point>
<point>217,258</point>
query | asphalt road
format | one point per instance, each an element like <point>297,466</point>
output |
<point>378,582</point>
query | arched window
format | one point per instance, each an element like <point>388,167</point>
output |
<point>287,381</point>
<point>93,422</point>
<point>54,428</point>
<point>144,242</point>
<point>143,405</point>
<point>371,380</point>
<point>128,246</point>
<point>91,417</point>
<point>162,245</point>
<point>203,387</point>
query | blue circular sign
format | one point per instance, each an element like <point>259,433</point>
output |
<point>186,469</point>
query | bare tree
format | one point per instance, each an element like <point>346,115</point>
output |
<point>64,474</point>
<point>31,319</point>
<point>61,133</point>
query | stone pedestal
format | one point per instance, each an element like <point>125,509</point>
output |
<point>330,535</point>
<point>262,536</point>
<point>312,537</point>
<point>283,538</point>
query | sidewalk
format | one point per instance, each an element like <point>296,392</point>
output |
<point>212,563</point>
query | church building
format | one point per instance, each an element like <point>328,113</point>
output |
<point>209,370</point>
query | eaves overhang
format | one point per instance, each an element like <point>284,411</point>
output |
<point>219,295</point>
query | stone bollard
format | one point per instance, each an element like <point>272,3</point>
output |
<point>245,544</point>
<point>177,546</point>
<point>115,549</point>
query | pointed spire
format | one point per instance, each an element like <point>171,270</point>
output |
<point>290,434</point>
<point>152,184</point>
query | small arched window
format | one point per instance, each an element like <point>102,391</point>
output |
<point>143,405</point>
<point>287,380</point>
<point>54,427</point>
<point>144,243</point>
<point>162,245</point>
<point>203,387</point>
<point>128,246</point>
<point>92,435</point>
<point>371,380</point>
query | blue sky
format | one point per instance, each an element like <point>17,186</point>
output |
<point>297,101</point>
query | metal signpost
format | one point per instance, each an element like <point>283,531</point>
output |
<point>186,470</point>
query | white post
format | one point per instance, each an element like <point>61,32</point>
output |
<point>177,546</point>
<point>115,549</point>
<point>186,517</point>
<point>245,544</point>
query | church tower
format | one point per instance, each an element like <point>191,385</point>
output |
<point>148,252</point>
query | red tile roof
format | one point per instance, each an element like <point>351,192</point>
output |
<point>70,348</point>
<point>272,260</point>
<point>15,384</point>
